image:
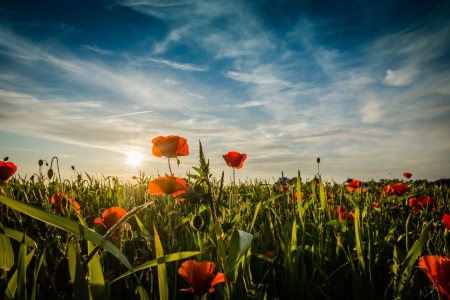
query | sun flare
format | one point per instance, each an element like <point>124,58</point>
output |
<point>135,158</point>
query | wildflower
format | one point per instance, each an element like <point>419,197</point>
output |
<point>270,254</point>
<point>235,159</point>
<point>170,146</point>
<point>340,209</point>
<point>355,185</point>
<point>295,196</point>
<point>407,175</point>
<point>284,188</point>
<point>438,270</point>
<point>200,276</point>
<point>446,220</point>
<point>345,215</point>
<point>110,217</point>
<point>58,201</point>
<point>7,169</point>
<point>167,185</point>
<point>396,189</point>
<point>422,202</point>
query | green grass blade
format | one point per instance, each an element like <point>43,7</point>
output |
<point>18,236</point>
<point>168,258</point>
<point>255,215</point>
<point>6,253</point>
<point>22,273</point>
<point>80,285</point>
<point>162,271</point>
<point>68,225</point>
<point>12,284</point>
<point>36,274</point>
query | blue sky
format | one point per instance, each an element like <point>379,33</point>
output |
<point>364,85</point>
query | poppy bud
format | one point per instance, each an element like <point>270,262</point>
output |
<point>197,189</point>
<point>50,173</point>
<point>73,168</point>
<point>46,164</point>
<point>6,158</point>
<point>40,162</point>
<point>32,177</point>
<point>197,222</point>
<point>134,177</point>
<point>318,160</point>
<point>349,180</point>
<point>98,192</point>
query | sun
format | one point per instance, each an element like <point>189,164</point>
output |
<point>135,158</point>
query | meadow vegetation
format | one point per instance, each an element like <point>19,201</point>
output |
<point>201,238</point>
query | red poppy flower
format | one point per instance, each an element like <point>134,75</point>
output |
<point>284,188</point>
<point>407,175</point>
<point>396,189</point>
<point>7,169</point>
<point>235,159</point>
<point>422,202</point>
<point>270,254</point>
<point>167,185</point>
<point>57,200</point>
<point>446,220</point>
<point>200,276</point>
<point>345,215</point>
<point>354,186</point>
<point>110,217</point>
<point>295,196</point>
<point>340,209</point>
<point>170,146</point>
<point>438,270</point>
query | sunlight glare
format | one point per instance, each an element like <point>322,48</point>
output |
<point>135,158</point>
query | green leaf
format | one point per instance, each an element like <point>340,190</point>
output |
<point>22,273</point>
<point>238,247</point>
<point>255,215</point>
<point>12,284</point>
<point>68,225</point>
<point>80,285</point>
<point>168,258</point>
<point>36,273</point>
<point>412,256</point>
<point>6,253</point>
<point>96,279</point>
<point>338,222</point>
<point>259,255</point>
<point>162,271</point>
<point>18,236</point>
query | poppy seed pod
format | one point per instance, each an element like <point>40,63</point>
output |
<point>197,222</point>
<point>318,160</point>
<point>197,189</point>
<point>6,158</point>
<point>40,162</point>
<point>50,173</point>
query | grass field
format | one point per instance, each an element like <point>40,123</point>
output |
<point>333,242</point>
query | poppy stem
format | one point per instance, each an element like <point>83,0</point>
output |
<point>168,160</point>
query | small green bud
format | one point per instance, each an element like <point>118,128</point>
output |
<point>40,162</point>
<point>73,168</point>
<point>197,189</point>
<point>6,158</point>
<point>318,160</point>
<point>50,173</point>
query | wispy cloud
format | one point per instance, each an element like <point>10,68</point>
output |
<point>178,66</point>
<point>99,50</point>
